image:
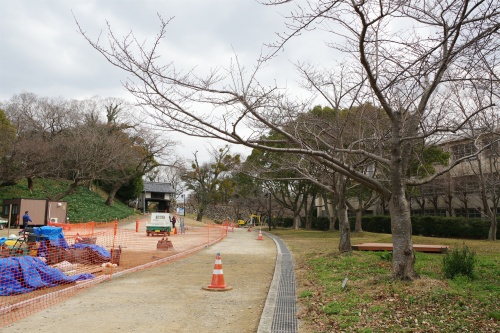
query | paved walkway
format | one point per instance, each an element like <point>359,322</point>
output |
<point>146,300</point>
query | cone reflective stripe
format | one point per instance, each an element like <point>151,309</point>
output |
<point>218,283</point>
<point>218,274</point>
<point>218,277</point>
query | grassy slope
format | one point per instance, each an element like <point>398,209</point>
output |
<point>83,206</point>
<point>373,302</point>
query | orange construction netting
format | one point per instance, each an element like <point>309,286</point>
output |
<point>46,265</point>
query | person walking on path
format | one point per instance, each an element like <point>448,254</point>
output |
<point>26,220</point>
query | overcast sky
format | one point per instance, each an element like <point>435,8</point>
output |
<point>41,51</point>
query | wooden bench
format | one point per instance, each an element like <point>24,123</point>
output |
<point>389,247</point>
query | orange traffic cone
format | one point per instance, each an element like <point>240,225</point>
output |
<point>260,235</point>
<point>175,230</point>
<point>249,229</point>
<point>218,277</point>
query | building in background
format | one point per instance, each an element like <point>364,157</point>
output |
<point>156,197</point>
<point>41,211</point>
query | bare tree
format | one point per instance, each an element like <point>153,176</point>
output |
<point>207,180</point>
<point>80,140</point>
<point>412,55</point>
<point>38,121</point>
<point>486,167</point>
<point>7,142</point>
<point>173,176</point>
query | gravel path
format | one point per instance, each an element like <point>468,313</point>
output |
<point>170,298</point>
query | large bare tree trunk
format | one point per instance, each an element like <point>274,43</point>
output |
<point>71,189</point>
<point>403,255</point>
<point>112,194</point>
<point>331,211</point>
<point>309,212</point>
<point>345,229</point>
<point>359,219</point>
<point>344,226</point>
<point>199,216</point>
<point>201,211</point>
<point>31,184</point>
<point>296,222</point>
<point>492,234</point>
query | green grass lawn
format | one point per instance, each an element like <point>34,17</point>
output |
<point>372,302</point>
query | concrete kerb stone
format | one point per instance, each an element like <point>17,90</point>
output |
<point>266,320</point>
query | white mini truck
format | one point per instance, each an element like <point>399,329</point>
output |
<point>159,225</point>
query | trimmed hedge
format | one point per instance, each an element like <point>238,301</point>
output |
<point>283,222</point>
<point>317,223</point>
<point>432,226</point>
<point>320,223</point>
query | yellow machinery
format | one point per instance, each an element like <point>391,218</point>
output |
<point>253,220</point>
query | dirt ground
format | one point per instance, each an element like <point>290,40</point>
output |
<point>170,298</point>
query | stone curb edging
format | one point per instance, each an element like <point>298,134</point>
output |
<point>266,319</point>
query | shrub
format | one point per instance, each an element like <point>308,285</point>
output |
<point>385,255</point>
<point>320,223</point>
<point>433,226</point>
<point>376,223</point>
<point>460,261</point>
<point>284,222</point>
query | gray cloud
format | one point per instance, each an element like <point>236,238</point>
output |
<point>42,52</point>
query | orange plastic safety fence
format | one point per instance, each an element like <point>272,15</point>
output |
<point>46,265</point>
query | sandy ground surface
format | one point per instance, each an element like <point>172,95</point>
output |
<point>170,298</point>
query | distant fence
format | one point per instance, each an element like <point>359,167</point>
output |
<point>50,264</point>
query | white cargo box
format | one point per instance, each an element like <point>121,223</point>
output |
<point>160,220</point>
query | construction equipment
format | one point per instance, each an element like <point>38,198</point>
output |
<point>253,220</point>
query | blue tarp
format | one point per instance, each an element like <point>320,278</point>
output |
<point>19,275</point>
<point>99,249</point>
<point>53,234</point>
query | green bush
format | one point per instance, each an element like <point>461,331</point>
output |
<point>433,226</point>
<point>460,261</point>
<point>283,222</point>
<point>385,255</point>
<point>320,223</point>
<point>376,223</point>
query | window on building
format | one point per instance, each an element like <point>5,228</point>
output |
<point>469,213</point>
<point>463,149</point>
<point>429,212</point>
<point>492,147</point>
<point>157,195</point>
